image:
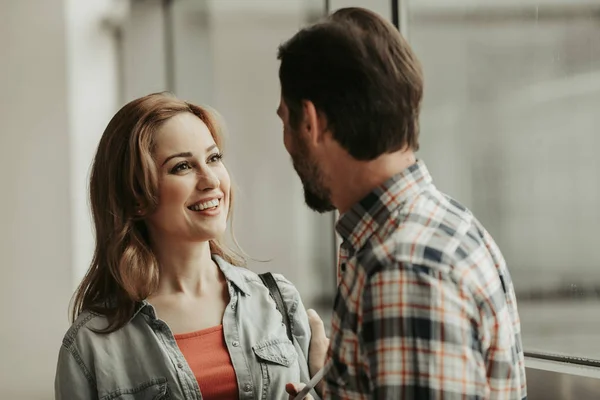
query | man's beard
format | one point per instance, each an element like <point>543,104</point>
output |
<point>316,195</point>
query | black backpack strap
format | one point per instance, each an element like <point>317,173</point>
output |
<point>271,284</point>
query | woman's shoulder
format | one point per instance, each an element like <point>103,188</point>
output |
<point>233,271</point>
<point>93,329</point>
<point>251,281</point>
<point>85,328</point>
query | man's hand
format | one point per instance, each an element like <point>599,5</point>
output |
<point>294,388</point>
<point>319,343</point>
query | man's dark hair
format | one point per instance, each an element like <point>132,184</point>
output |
<point>357,70</point>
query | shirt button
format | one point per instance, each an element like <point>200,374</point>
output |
<point>235,343</point>
<point>233,306</point>
<point>247,387</point>
<point>179,365</point>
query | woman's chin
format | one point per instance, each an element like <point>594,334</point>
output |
<point>212,233</point>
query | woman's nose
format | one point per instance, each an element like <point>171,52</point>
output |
<point>207,180</point>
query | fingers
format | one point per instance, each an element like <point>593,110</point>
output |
<point>294,388</point>
<point>319,343</point>
<point>317,327</point>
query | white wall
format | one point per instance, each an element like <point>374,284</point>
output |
<point>35,205</point>
<point>56,76</point>
<point>92,101</point>
<point>143,50</point>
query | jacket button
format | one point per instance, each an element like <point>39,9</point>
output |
<point>247,387</point>
<point>235,343</point>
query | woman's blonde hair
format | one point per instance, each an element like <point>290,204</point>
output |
<point>124,270</point>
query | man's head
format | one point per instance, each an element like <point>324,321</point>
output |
<point>351,79</point>
<point>305,162</point>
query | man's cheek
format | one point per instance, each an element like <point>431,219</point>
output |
<point>287,142</point>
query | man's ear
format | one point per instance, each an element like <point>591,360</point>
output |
<point>314,122</point>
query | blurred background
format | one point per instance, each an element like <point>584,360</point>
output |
<point>510,127</point>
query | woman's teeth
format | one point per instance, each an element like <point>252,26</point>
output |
<point>205,206</point>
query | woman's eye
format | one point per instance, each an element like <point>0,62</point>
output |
<point>181,167</point>
<point>215,157</point>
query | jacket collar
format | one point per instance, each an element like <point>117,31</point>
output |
<point>232,274</point>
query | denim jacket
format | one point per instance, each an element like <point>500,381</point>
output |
<point>142,360</point>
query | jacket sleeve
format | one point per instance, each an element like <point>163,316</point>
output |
<point>73,380</point>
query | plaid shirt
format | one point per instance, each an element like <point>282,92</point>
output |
<point>425,307</point>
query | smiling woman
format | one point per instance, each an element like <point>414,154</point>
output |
<point>165,303</point>
<point>126,181</point>
<point>194,188</point>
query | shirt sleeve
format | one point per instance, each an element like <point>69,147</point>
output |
<point>419,335</point>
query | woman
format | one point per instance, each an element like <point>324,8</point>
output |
<point>165,310</point>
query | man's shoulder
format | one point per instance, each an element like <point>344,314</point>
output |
<point>432,214</point>
<point>432,230</point>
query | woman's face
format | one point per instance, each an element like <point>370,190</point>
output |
<point>193,184</point>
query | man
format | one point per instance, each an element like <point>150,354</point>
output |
<point>425,307</point>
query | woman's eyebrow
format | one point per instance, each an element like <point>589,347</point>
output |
<point>187,154</point>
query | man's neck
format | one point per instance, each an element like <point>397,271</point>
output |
<point>356,179</point>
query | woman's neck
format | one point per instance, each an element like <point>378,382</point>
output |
<point>185,268</point>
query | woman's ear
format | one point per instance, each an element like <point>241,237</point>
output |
<point>138,210</point>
